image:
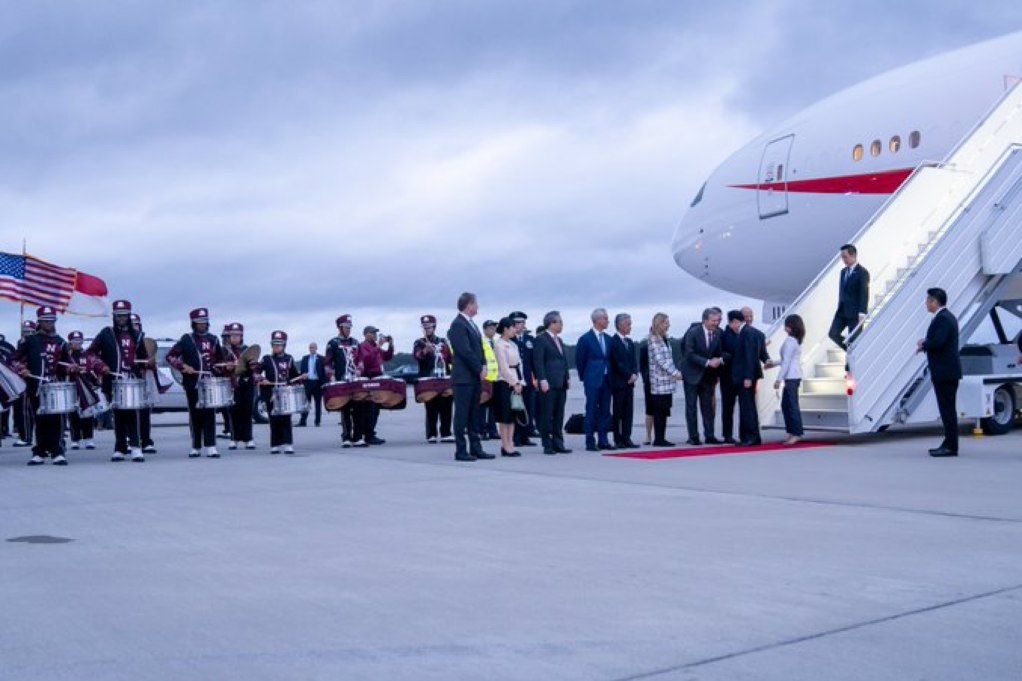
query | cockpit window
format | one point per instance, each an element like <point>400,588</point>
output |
<point>699,196</point>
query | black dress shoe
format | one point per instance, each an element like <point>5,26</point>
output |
<point>606,447</point>
<point>511,453</point>
<point>525,443</point>
<point>943,451</point>
<point>483,455</point>
<point>663,443</point>
<point>464,457</point>
<point>302,424</point>
<point>712,441</point>
<point>694,441</point>
<point>562,450</point>
<point>750,443</point>
<point>729,441</point>
<point>592,448</point>
<point>548,450</point>
<point>631,445</point>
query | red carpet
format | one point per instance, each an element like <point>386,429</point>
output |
<point>716,450</point>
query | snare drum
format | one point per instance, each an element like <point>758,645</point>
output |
<point>215,393</point>
<point>100,406</point>
<point>288,400</point>
<point>57,398</point>
<point>428,388</point>
<point>129,394</point>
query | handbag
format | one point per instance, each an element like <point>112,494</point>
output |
<point>517,402</point>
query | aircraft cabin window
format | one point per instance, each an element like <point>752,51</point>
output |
<point>857,152</point>
<point>699,196</point>
<point>874,149</point>
<point>895,145</point>
<point>914,139</point>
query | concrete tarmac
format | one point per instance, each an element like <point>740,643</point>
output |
<point>862,560</point>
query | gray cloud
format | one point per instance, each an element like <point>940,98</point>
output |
<point>284,162</point>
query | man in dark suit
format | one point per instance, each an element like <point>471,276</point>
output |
<point>942,356</point>
<point>592,363</point>
<point>728,389</point>
<point>747,363</point>
<point>853,296</point>
<point>701,358</point>
<point>469,369</point>
<point>551,367</point>
<point>624,374</point>
<point>312,366</point>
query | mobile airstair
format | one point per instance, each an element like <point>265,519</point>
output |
<point>956,225</point>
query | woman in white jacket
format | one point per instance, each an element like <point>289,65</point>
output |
<point>790,376</point>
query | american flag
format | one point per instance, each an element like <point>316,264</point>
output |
<point>25,279</point>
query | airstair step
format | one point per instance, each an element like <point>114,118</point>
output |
<point>835,355</point>
<point>830,370</point>
<point>817,401</point>
<point>819,419</point>
<point>825,386</point>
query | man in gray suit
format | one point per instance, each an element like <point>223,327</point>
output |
<point>701,359</point>
<point>550,365</point>
<point>468,372</point>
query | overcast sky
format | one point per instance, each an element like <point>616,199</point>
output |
<point>284,162</point>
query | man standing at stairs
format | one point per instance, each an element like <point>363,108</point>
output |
<point>748,360</point>
<point>942,356</point>
<point>853,297</point>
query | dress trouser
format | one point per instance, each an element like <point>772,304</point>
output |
<point>700,399</point>
<point>838,326</point>
<point>728,399</point>
<point>49,432</point>
<point>624,413</point>
<point>313,395</point>
<point>145,427</point>
<point>81,428</point>
<point>439,410</point>
<point>597,419</point>
<point>748,428</point>
<point>201,421</point>
<point>241,413</point>
<point>550,408</point>
<point>789,408</point>
<point>946,391</point>
<point>466,408</point>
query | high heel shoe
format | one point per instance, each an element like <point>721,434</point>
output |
<point>504,452</point>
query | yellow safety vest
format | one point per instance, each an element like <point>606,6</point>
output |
<point>491,360</point>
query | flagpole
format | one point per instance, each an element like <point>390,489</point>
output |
<point>24,253</point>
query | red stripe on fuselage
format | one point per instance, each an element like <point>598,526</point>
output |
<point>873,183</point>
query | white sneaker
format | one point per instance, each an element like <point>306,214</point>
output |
<point>36,461</point>
<point>360,443</point>
<point>21,443</point>
<point>250,445</point>
<point>432,440</point>
<point>274,450</point>
<point>117,457</point>
<point>194,454</point>
<point>136,455</point>
<point>89,444</point>
<point>149,449</point>
<point>212,453</point>
<point>232,445</point>
<point>449,438</point>
<point>59,460</point>
<point>289,449</point>
<point>346,444</point>
<point>74,445</point>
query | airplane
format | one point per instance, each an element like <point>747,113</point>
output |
<point>774,213</point>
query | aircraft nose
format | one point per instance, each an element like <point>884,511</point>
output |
<point>688,247</point>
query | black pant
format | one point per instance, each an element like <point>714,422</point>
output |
<point>23,414</point>
<point>789,408</point>
<point>550,408</point>
<point>522,432</point>
<point>127,424</point>
<point>313,394</point>
<point>466,409</point>
<point>704,396</point>
<point>946,392</point>
<point>5,423</point>
<point>354,420</point>
<point>624,413</point>
<point>49,431</point>
<point>241,413</point>
<point>201,421</point>
<point>728,399</point>
<point>145,427</point>
<point>281,431</point>
<point>439,410</point>
<point>748,429</point>
<point>839,324</point>
<point>81,428</point>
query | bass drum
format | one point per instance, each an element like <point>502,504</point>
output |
<point>336,395</point>
<point>389,393</point>
<point>428,388</point>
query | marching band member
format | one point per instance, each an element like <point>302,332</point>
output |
<point>244,389</point>
<point>119,347</point>
<point>371,357</point>
<point>145,415</point>
<point>82,426</point>
<point>279,369</point>
<point>39,358</point>
<point>199,353</point>
<point>6,353</point>
<point>433,354</point>
<point>225,412</point>
<point>340,364</point>
<point>22,407</point>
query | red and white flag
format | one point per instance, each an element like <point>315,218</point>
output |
<point>25,279</point>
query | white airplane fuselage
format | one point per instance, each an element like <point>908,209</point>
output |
<point>774,213</point>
